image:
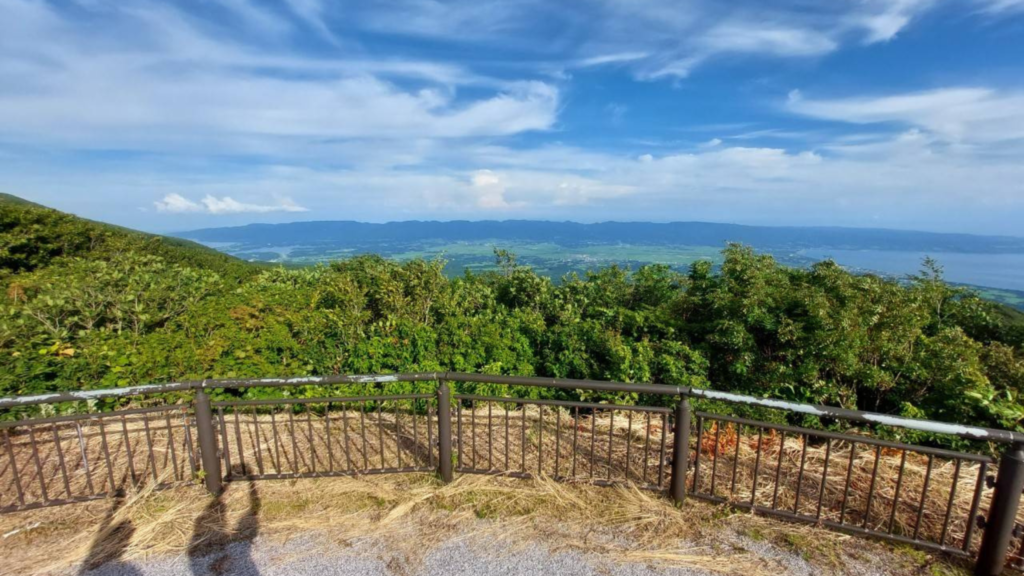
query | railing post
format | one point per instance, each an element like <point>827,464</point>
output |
<point>1002,515</point>
<point>207,442</point>
<point>444,431</point>
<point>680,451</point>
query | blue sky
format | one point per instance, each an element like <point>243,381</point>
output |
<point>169,116</point>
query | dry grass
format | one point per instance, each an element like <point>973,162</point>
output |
<point>415,513</point>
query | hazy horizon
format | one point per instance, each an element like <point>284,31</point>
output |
<point>442,221</point>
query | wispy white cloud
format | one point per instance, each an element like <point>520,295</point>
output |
<point>617,58</point>
<point>147,76</point>
<point>884,19</point>
<point>766,39</point>
<point>956,114</point>
<point>256,17</point>
<point>178,204</point>
<point>1001,6</point>
<point>312,12</point>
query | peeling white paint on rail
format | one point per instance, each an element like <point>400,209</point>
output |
<point>896,421</point>
<point>927,425</point>
<point>767,402</point>
<point>295,380</point>
<point>74,395</point>
<point>366,379</point>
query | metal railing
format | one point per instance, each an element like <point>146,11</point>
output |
<point>927,497</point>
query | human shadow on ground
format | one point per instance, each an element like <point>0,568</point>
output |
<point>214,548</point>
<point>111,541</point>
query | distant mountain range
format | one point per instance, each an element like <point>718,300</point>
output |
<point>575,234</point>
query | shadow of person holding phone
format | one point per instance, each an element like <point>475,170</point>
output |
<point>106,553</point>
<point>217,550</point>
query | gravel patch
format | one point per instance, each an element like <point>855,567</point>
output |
<point>305,556</point>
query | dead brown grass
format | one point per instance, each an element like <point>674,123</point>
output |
<point>414,513</point>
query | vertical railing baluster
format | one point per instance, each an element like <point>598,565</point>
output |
<point>106,455</point>
<point>800,475</point>
<point>60,460</point>
<point>979,488</point>
<point>295,440</point>
<point>312,440</point>
<point>189,446</point>
<point>170,445</point>
<point>661,456</point>
<point>558,440</point>
<point>459,436</point>
<point>949,503</point>
<point>714,460</point>
<point>871,487</point>
<point>490,436</point>
<point>696,454</point>
<point>611,439</point>
<point>757,466</point>
<point>258,443</point>
<point>444,432</point>
<point>540,440</point>
<point>149,448</point>
<point>846,487</point>
<point>575,437</point>
<point>736,459</point>
<point>14,467</point>
<point>128,450</point>
<point>224,448</point>
<point>522,433</point>
<point>430,435</point>
<point>362,434</point>
<point>924,496</point>
<point>824,476</point>
<point>415,430</point>
<point>85,459</point>
<point>327,431</point>
<point>778,470</point>
<point>896,494</point>
<point>398,432</point>
<point>380,434</point>
<point>346,438</point>
<point>277,443</point>
<point>593,436</point>
<point>629,442</point>
<point>647,445</point>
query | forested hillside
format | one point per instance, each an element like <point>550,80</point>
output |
<point>88,305</point>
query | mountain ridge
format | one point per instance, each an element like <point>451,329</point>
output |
<point>680,232</point>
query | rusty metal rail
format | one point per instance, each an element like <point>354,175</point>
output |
<point>923,496</point>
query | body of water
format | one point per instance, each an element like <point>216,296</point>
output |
<point>992,270</point>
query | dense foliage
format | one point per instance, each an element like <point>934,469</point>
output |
<point>91,306</point>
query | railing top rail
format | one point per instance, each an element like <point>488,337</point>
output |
<point>148,389</point>
<point>960,430</point>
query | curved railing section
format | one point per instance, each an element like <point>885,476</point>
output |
<point>960,503</point>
